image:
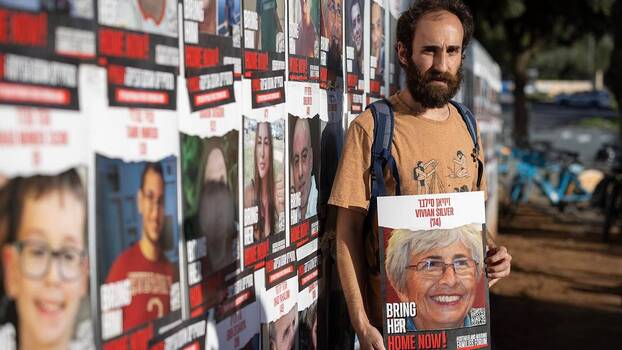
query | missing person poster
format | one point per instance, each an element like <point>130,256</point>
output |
<point>304,167</point>
<point>394,63</point>
<point>43,216</point>
<point>355,55</point>
<point>49,29</point>
<point>189,334</point>
<point>434,284</point>
<point>238,317</point>
<point>277,287</point>
<point>41,43</point>
<point>209,185</point>
<point>264,36</point>
<point>331,44</point>
<point>139,47</point>
<point>377,59</point>
<point>308,266</point>
<point>354,15</point>
<point>135,218</point>
<point>264,189</point>
<point>212,35</point>
<point>304,40</point>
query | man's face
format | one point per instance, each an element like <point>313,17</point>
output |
<point>377,26</point>
<point>433,71</point>
<point>151,206</point>
<point>357,27</point>
<point>302,160</point>
<point>284,331</point>
<point>334,17</point>
<point>442,301</point>
<point>47,304</point>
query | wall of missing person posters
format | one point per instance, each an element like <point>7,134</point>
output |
<point>166,165</point>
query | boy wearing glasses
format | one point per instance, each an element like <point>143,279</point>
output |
<point>44,258</point>
<point>144,264</point>
<point>438,270</point>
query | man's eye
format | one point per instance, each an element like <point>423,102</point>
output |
<point>434,264</point>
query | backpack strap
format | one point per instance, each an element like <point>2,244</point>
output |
<point>471,123</point>
<point>381,157</point>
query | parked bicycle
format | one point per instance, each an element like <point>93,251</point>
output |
<point>557,174</point>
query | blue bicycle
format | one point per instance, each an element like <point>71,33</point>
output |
<point>555,173</point>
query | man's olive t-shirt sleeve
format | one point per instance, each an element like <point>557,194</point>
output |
<point>351,188</point>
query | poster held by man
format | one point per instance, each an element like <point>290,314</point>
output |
<point>434,287</point>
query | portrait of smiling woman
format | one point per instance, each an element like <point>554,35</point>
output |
<point>440,271</point>
<point>265,188</point>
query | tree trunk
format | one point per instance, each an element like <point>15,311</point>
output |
<point>521,113</point>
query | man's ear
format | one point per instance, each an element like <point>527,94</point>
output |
<point>10,262</point>
<point>402,53</point>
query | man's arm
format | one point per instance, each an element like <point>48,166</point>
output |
<point>352,269</point>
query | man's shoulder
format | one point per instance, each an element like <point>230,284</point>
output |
<point>365,120</point>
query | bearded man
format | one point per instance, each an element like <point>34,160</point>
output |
<point>432,36</point>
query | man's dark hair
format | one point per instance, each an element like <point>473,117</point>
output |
<point>407,23</point>
<point>153,166</point>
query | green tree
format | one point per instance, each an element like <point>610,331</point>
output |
<point>613,76</point>
<point>517,31</point>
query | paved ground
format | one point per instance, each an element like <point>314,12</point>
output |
<point>565,290</point>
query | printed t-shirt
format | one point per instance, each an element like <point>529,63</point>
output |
<point>150,283</point>
<point>431,157</point>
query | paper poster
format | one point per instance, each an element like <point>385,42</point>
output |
<point>138,45</point>
<point>189,334</point>
<point>304,40</point>
<point>308,267</point>
<point>209,169</point>
<point>237,318</point>
<point>394,63</point>
<point>434,284</point>
<point>277,286</point>
<point>354,15</point>
<point>377,59</point>
<point>304,171</point>
<point>264,36</point>
<point>43,210</point>
<point>212,35</point>
<point>331,44</point>
<point>49,29</point>
<point>264,190</point>
<point>134,218</point>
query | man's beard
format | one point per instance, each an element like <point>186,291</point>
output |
<point>426,93</point>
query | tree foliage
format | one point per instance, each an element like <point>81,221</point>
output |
<point>517,31</point>
<point>613,76</point>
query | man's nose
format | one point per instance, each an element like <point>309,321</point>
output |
<point>440,61</point>
<point>300,170</point>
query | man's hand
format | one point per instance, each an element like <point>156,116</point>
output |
<point>498,264</point>
<point>370,338</point>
